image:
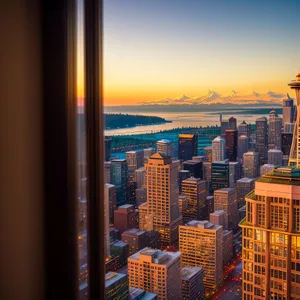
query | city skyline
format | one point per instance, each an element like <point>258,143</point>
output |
<point>155,50</point>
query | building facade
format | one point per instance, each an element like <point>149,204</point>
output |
<point>218,149</point>
<point>187,146</point>
<point>251,164</point>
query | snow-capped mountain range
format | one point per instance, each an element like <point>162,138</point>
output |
<point>213,97</point>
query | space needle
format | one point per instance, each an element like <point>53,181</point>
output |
<point>294,159</point>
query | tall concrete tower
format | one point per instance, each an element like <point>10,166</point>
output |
<point>295,149</point>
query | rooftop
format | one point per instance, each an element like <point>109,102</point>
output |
<point>165,141</point>
<point>140,294</point>
<point>262,119</point>
<point>134,232</point>
<point>224,190</point>
<point>218,139</point>
<point>112,277</point>
<point>118,160</point>
<point>187,135</point>
<point>188,272</point>
<point>218,212</point>
<point>134,151</point>
<point>192,162</point>
<point>119,244</point>
<point>202,224</point>
<point>246,180</point>
<point>275,151</point>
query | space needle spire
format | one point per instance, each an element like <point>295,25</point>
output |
<point>294,159</point>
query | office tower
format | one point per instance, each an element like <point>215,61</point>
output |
<point>231,144</point>
<point>195,190</point>
<point>148,152</point>
<point>295,149</point>
<point>114,234</point>
<point>275,124</point>
<point>220,175</point>
<point>232,123</point>
<point>243,146</point>
<point>261,145</point>
<point>210,204</point>
<point>182,175</point>
<point>164,147</point>
<point>107,148</point>
<point>289,128</point>
<point>187,146</point>
<point>157,272</point>
<point>125,217</point>
<point>182,204</point>
<point>244,186</point>
<point>207,175</point>
<point>218,217</point>
<point>235,173</point>
<point>153,239</point>
<point>242,213</point>
<point>118,177</point>
<point>226,199</point>
<point>195,168</point>
<point>208,153</point>
<point>251,165</point>
<point>140,195</point>
<point>227,247</point>
<point>275,157</point>
<point>131,188</point>
<point>192,283</point>
<point>140,177</point>
<point>139,294</point>
<point>286,144</point>
<point>136,240</point>
<point>218,149</point>
<point>145,219</point>
<point>244,129</point>
<point>107,166</point>
<point>271,237</point>
<point>266,168</point>
<point>224,127</point>
<point>120,249</point>
<point>135,160</point>
<point>201,244</point>
<point>110,193</point>
<point>200,158</point>
<point>287,110</point>
<point>116,286</point>
<point>162,197</point>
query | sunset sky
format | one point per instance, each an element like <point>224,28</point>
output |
<point>155,49</point>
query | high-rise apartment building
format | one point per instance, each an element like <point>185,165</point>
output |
<point>220,174</point>
<point>226,199</point>
<point>125,218</point>
<point>287,110</point>
<point>275,157</point>
<point>116,286</point>
<point>148,152</point>
<point>110,193</point>
<point>192,283</point>
<point>261,141</point>
<point>201,244</point>
<point>235,173</point>
<point>162,197</point>
<point>266,168</point>
<point>195,190</point>
<point>136,240</point>
<point>165,147</point>
<point>187,146</point>
<point>182,203</point>
<point>242,147</point>
<point>232,123</point>
<point>244,129</point>
<point>140,175</point>
<point>231,144</point>
<point>271,237</point>
<point>244,186</point>
<point>275,125</point>
<point>118,177</point>
<point>218,217</point>
<point>208,153</point>
<point>218,149</point>
<point>210,204</point>
<point>157,272</point>
<point>251,164</point>
<point>195,168</point>
<point>135,160</point>
<point>227,247</point>
<point>139,294</point>
<point>182,175</point>
<point>140,195</point>
<point>207,175</point>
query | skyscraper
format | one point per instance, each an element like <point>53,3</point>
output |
<point>275,124</point>
<point>107,144</point>
<point>201,244</point>
<point>244,186</point>
<point>110,193</point>
<point>208,153</point>
<point>244,129</point>
<point>231,144</point>
<point>251,164</point>
<point>289,128</point>
<point>136,240</point>
<point>243,146</point>
<point>224,127</point>
<point>287,110</point>
<point>295,150</point>
<point>165,147</point>
<point>218,149</point>
<point>271,237</point>
<point>135,160</point>
<point>261,144</point>
<point>182,175</point>
<point>157,272</point>
<point>125,218</point>
<point>194,167</point>
<point>140,177</point>
<point>118,177</point>
<point>275,157</point>
<point>235,173</point>
<point>187,146</point>
<point>286,144</point>
<point>266,168</point>
<point>226,199</point>
<point>232,123</point>
<point>162,197</point>
<point>116,286</point>
<point>195,190</point>
<point>192,283</point>
<point>220,175</point>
